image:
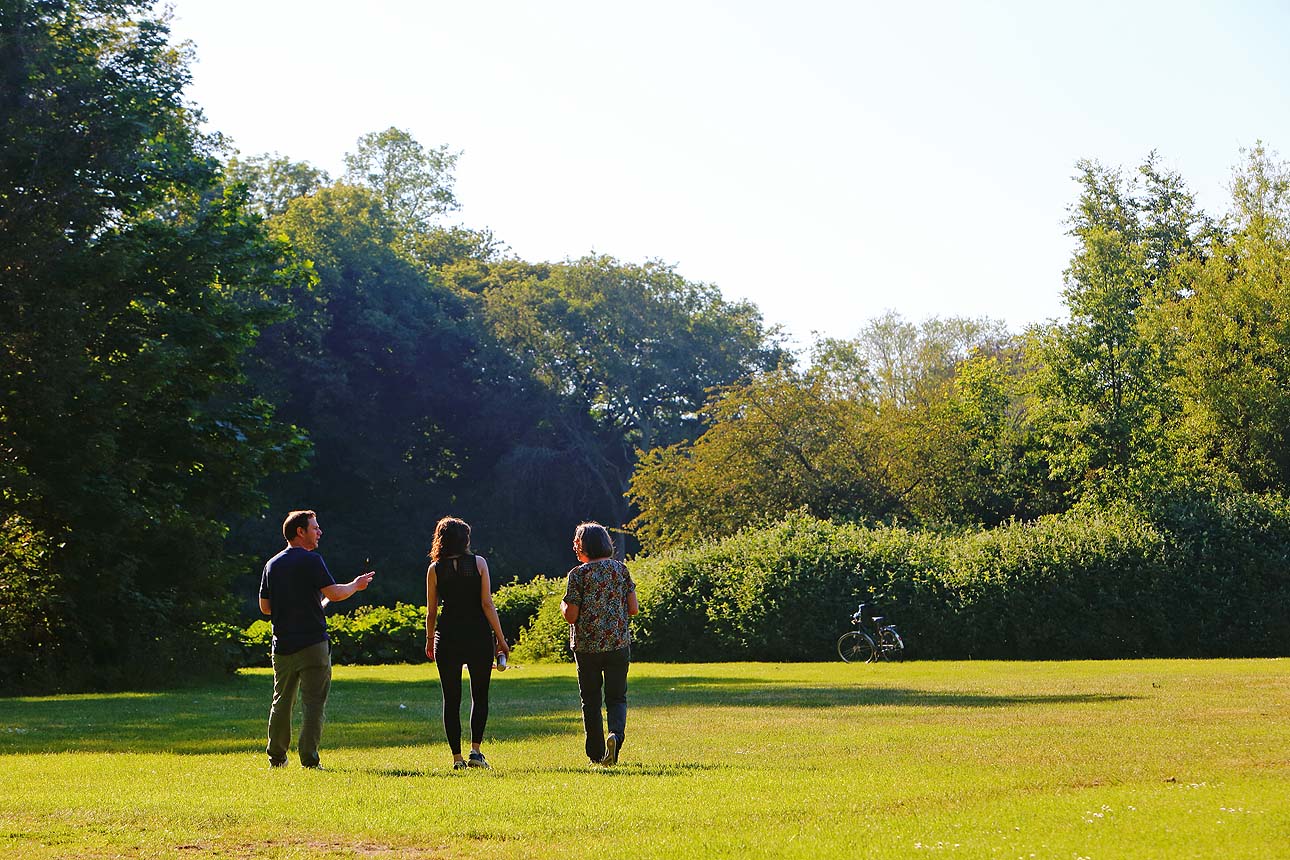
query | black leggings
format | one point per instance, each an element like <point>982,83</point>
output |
<point>478,660</point>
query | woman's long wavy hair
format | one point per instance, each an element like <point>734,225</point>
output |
<point>451,537</point>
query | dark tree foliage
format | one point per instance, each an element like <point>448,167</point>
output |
<point>371,364</point>
<point>130,285</point>
<point>627,355</point>
<point>409,409</point>
<point>514,395</point>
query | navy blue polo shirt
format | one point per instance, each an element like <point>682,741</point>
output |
<point>292,582</point>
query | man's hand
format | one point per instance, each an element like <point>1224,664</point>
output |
<point>333,593</point>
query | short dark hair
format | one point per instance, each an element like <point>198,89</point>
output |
<point>451,537</point>
<point>295,521</point>
<point>594,540</point>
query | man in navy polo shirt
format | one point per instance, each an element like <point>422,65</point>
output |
<point>295,587</point>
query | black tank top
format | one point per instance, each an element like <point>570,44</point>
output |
<point>458,585</point>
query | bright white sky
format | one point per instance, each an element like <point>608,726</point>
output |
<point>827,160</point>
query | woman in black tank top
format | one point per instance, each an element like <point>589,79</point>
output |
<point>464,632</point>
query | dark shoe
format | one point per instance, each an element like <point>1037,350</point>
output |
<point>477,760</point>
<point>313,767</point>
<point>273,763</point>
<point>611,750</point>
<point>460,764</point>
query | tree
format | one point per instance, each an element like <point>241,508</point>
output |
<point>886,425</point>
<point>629,351</point>
<point>1233,337</point>
<point>905,358</point>
<point>132,285</point>
<point>273,181</point>
<point>415,185</point>
<point>1103,377</point>
<point>971,451</point>
<point>777,443</point>
<point>1173,230</point>
<point>382,367</point>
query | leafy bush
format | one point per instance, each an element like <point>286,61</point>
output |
<point>545,639</point>
<point>518,603</point>
<point>238,647</point>
<point>32,652</point>
<point>378,634</point>
<point>367,636</point>
<point>1187,576</point>
<point>780,593</point>
<point>381,634</point>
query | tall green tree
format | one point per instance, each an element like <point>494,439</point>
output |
<point>629,352</point>
<point>414,184</point>
<point>273,181</point>
<point>1105,372</point>
<point>780,442</point>
<point>1233,337</point>
<point>381,365</point>
<point>132,284</point>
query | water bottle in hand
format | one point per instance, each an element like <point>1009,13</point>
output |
<point>501,661</point>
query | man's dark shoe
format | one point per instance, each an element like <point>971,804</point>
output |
<point>477,760</point>
<point>313,766</point>
<point>611,750</point>
<point>273,763</point>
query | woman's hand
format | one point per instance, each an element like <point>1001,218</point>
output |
<point>503,648</point>
<point>430,649</point>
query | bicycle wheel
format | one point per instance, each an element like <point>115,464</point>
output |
<point>890,645</point>
<point>856,647</point>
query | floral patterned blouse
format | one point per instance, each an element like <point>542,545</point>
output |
<point>599,589</point>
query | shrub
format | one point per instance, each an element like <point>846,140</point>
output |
<point>781,593</point>
<point>237,647</point>
<point>32,653</point>
<point>545,639</point>
<point>368,635</point>
<point>378,634</point>
<point>517,603</point>
<point>1192,575</point>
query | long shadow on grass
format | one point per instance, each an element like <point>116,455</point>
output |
<point>622,769</point>
<point>230,716</point>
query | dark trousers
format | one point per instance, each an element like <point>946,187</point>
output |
<point>603,671</point>
<point>477,657</point>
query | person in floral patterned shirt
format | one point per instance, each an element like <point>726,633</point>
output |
<point>599,598</point>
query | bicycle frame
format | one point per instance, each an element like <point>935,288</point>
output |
<point>871,641</point>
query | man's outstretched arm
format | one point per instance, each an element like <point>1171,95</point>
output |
<point>346,590</point>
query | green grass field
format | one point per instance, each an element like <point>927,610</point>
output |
<point>1144,759</point>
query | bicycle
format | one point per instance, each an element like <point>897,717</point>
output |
<point>861,646</point>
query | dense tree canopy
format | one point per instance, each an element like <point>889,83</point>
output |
<point>131,284</point>
<point>382,367</point>
<point>876,427</point>
<point>627,353</point>
<point>1232,330</point>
